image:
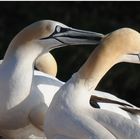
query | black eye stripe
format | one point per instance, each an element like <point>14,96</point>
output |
<point>58,29</point>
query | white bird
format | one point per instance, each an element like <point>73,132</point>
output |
<point>70,114</point>
<point>24,94</point>
<point>45,63</point>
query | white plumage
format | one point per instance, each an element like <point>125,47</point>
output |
<point>25,95</point>
<point>70,114</point>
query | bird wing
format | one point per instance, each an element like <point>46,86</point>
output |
<point>131,110</point>
<point>94,100</point>
<point>117,116</point>
<point>109,96</point>
<point>106,100</point>
<point>37,115</point>
<point>120,126</point>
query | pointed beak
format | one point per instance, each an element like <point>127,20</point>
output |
<point>77,37</point>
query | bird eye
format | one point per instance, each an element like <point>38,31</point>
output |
<point>58,29</point>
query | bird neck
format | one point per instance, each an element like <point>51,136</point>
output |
<point>97,65</point>
<point>80,86</point>
<point>17,71</point>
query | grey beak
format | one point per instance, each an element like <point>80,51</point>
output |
<point>77,37</point>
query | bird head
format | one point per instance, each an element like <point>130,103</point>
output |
<point>124,43</point>
<point>52,34</point>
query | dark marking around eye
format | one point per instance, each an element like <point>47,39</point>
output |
<point>58,29</point>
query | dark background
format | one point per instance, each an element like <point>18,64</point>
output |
<point>122,80</point>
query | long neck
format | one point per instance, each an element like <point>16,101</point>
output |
<point>80,86</point>
<point>17,70</point>
<point>99,62</point>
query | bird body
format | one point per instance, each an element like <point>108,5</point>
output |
<point>70,114</point>
<point>14,123</point>
<point>114,104</point>
<point>22,103</point>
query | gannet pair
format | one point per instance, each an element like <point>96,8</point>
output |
<point>25,94</point>
<point>70,114</point>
